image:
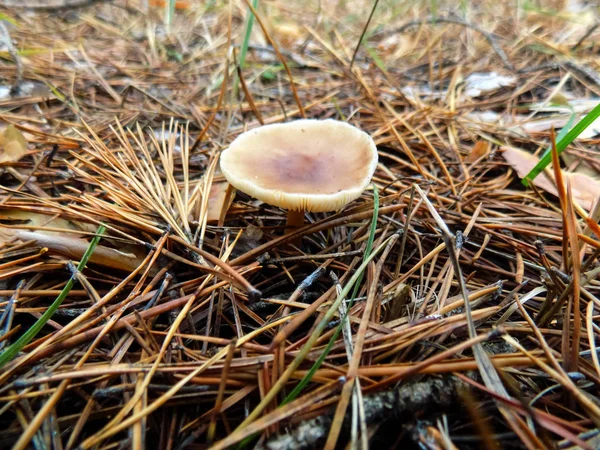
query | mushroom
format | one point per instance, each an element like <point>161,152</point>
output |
<point>304,165</point>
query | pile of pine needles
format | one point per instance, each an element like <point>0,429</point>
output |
<point>144,305</point>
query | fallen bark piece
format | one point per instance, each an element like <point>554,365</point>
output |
<point>433,395</point>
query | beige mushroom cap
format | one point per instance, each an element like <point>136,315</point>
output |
<point>311,165</point>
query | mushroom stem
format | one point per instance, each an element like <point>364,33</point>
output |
<point>295,219</point>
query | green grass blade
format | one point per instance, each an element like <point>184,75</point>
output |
<point>376,59</point>
<point>371,239</point>
<point>547,156</point>
<point>369,248</point>
<point>169,14</point>
<point>311,373</point>
<point>563,139</point>
<point>55,91</point>
<point>244,47</point>
<point>247,32</point>
<point>15,348</point>
<point>8,19</point>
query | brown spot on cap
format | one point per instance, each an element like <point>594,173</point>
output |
<point>313,165</point>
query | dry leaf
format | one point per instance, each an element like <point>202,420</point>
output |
<point>17,217</point>
<point>546,123</point>
<point>288,34</point>
<point>64,242</point>
<point>480,149</point>
<point>479,83</point>
<point>476,85</point>
<point>74,248</point>
<point>586,190</point>
<point>13,145</point>
<point>218,201</point>
<point>396,44</point>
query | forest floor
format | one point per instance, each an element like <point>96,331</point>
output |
<point>448,307</point>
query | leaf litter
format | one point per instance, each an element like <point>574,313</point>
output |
<point>468,303</point>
